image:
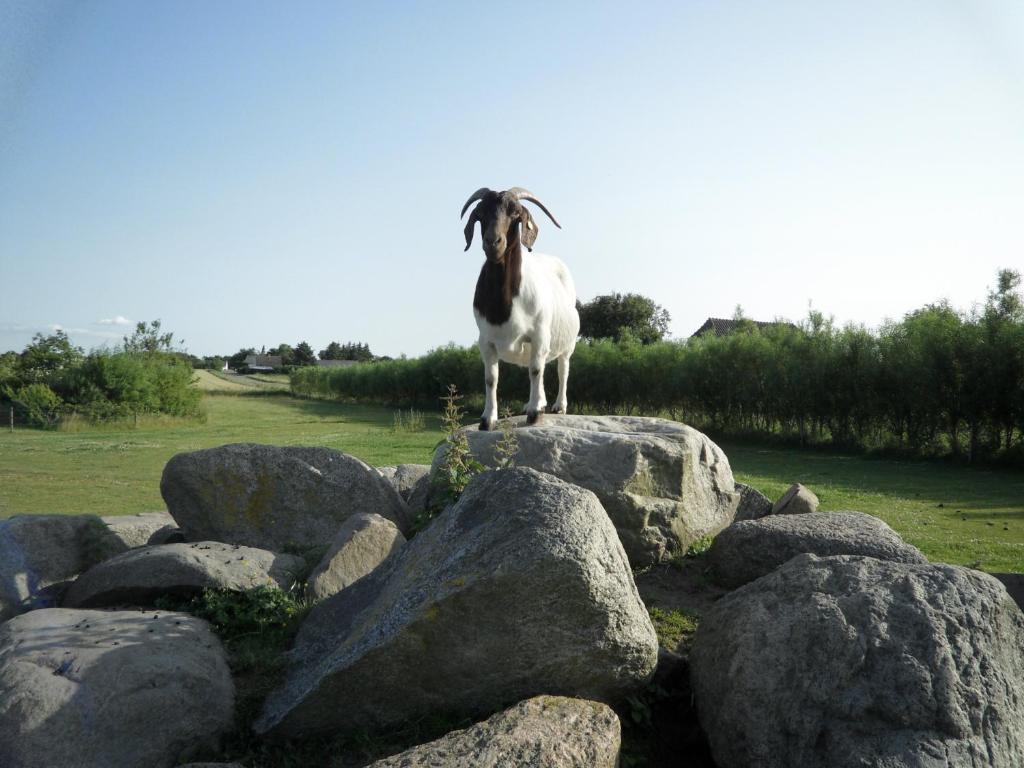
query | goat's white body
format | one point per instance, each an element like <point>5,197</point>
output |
<point>542,326</point>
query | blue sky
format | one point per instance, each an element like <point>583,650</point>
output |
<point>256,173</point>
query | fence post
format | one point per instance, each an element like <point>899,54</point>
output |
<point>12,418</point>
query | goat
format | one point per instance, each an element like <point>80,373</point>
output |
<point>525,303</point>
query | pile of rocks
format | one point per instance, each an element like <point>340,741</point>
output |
<point>827,640</point>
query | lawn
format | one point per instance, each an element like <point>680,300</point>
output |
<point>113,471</point>
<point>953,514</point>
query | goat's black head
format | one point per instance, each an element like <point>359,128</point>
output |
<point>499,213</point>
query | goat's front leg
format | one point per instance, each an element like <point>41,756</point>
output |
<point>562,401</point>
<point>489,354</point>
<point>538,359</point>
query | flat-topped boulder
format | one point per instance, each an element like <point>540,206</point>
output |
<point>520,588</point>
<point>749,549</point>
<point>844,661</point>
<point>110,689</point>
<point>39,554</point>
<point>542,732</point>
<point>273,497</point>
<point>140,576</point>
<point>663,484</point>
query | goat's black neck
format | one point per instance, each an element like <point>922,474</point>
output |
<point>499,283</point>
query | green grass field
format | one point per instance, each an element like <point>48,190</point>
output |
<point>116,470</point>
<point>954,514</point>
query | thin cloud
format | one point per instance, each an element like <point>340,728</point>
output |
<point>118,320</point>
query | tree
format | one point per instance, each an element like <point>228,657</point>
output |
<point>285,352</point>
<point>148,339</point>
<point>304,354</point>
<point>347,351</point>
<point>46,357</point>
<point>1005,302</point>
<point>332,352</point>
<point>615,316</point>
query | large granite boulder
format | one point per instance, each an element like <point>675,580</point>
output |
<point>272,497</point>
<point>520,588</point>
<point>542,732</point>
<point>143,529</point>
<point>363,543</point>
<point>663,484</point>
<point>853,661</point>
<point>39,554</point>
<point>140,576</point>
<point>753,504</point>
<point>97,689</point>
<point>749,549</point>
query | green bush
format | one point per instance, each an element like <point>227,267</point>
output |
<point>39,404</point>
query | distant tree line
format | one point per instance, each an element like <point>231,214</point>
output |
<point>939,381</point>
<point>291,356</point>
<point>51,378</point>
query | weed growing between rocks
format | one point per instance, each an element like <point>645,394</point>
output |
<point>458,466</point>
<point>675,629</point>
<point>507,447</point>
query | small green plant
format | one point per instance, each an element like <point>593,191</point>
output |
<point>260,610</point>
<point>699,547</point>
<point>675,629</point>
<point>458,466</point>
<point>507,447</point>
<point>408,422</point>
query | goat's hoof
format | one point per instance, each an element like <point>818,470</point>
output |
<point>556,409</point>
<point>532,416</point>
<point>485,425</point>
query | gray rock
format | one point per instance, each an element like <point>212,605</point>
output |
<point>851,661</point>
<point>542,732</point>
<point>139,576</point>
<point>749,549</point>
<point>276,498</point>
<point>110,689</point>
<point>143,529</point>
<point>363,543</point>
<point>520,588</point>
<point>753,504</point>
<point>797,500</point>
<point>664,484</point>
<point>39,554</point>
<point>412,481</point>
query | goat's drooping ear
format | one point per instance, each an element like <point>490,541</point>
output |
<point>528,230</point>
<point>473,217</point>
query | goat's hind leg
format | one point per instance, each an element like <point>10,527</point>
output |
<point>561,402</point>
<point>489,417</point>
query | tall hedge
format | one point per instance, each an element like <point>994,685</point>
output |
<point>938,381</point>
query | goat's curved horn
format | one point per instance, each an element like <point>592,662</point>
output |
<point>478,195</point>
<point>525,194</point>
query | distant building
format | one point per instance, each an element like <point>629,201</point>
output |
<point>263,362</point>
<point>335,363</point>
<point>722,327</point>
